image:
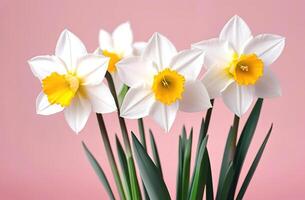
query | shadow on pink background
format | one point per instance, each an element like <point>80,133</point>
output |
<point>41,158</point>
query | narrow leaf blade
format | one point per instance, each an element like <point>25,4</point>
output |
<point>150,174</point>
<point>209,179</point>
<point>227,185</point>
<point>99,171</point>
<point>155,152</point>
<point>253,167</point>
<point>124,167</point>
<point>226,160</point>
<point>198,180</point>
<point>186,166</point>
<point>244,143</point>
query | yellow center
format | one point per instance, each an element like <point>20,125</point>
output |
<point>60,89</point>
<point>114,58</point>
<point>246,69</point>
<point>168,86</point>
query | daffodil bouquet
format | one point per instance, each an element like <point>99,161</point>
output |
<point>154,79</point>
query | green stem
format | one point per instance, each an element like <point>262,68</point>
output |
<point>205,125</point>
<point>235,132</point>
<point>143,142</point>
<point>130,162</point>
<point>142,132</point>
<point>110,156</point>
<point>121,120</point>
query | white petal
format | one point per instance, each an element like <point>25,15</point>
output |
<point>216,80</point>
<point>138,48</point>
<point>195,97</point>
<point>268,85</point>
<point>118,84</point>
<point>123,38</point>
<point>137,102</point>
<point>43,107</point>
<point>238,98</point>
<point>217,53</point>
<point>101,98</point>
<point>188,63</point>
<point>136,70</point>
<point>77,113</point>
<point>105,41</point>
<point>43,66</point>
<point>266,46</point>
<point>159,50</point>
<point>70,48</point>
<point>92,69</point>
<point>164,115</point>
<point>237,32</point>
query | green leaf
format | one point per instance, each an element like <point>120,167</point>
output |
<point>124,167</point>
<point>205,122</point>
<point>143,142</point>
<point>122,93</point>
<point>253,167</point>
<point>227,184</point>
<point>198,180</point>
<point>155,153</point>
<point>186,165</point>
<point>150,174</point>
<point>99,171</point>
<point>226,160</point>
<point>142,132</point>
<point>179,173</point>
<point>244,143</point>
<point>182,144</point>
<point>208,174</point>
<point>135,189</point>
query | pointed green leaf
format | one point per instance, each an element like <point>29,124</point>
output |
<point>244,143</point>
<point>227,184</point>
<point>182,144</point>
<point>122,93</point>
<point>226,160</point>
<point>208,174</point>
<point>135,189</point>
<point>124,167</point>
<point>186,166</point>
<point>179,173</point>
<point>155,153</point>
<point>198,180</point>
<point>253,167</point>
<point>143,142</point>
<point>142,132</point>
<point>99,171</point>
<point>150,174</point>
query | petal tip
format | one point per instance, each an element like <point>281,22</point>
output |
<point>65,32</point>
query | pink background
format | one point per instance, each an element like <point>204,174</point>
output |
<point>41,158</point>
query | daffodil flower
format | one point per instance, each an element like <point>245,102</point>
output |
<point>72,80</point>
<point>117,46</point>
<point>162,82</point>
<point>238,65</point>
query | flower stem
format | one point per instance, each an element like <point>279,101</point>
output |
<point>235,132</point>
<point>121,120</point>
<point>143,142</point>
<point>135,190</point>
<point>205,125</point>
<point>142,132</point>
<point>110,155</point>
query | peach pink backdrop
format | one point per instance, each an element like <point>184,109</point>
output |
<point>41,158</point>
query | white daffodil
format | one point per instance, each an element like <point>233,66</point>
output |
<point>72,81</point>
<point>162,82</point>
<point>238,65</point>
<point>117,46</point>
